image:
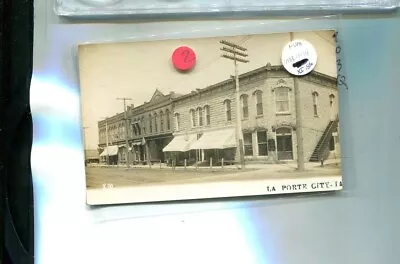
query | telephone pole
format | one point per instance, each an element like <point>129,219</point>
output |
<point>299,122</point>
<point>237,54</point>
<point>126,129</point>
<point>108,156</point>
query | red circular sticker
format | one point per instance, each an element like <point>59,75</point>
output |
<point>184,58</point>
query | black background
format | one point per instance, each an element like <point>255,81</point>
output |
<point>16,45</point>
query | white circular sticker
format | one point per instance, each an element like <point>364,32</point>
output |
<point>299,57</point>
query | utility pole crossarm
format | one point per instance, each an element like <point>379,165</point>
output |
<point>233,51</point>
<point>232,45</point>
<point>234,58</point>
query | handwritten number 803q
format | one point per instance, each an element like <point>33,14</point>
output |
<point>341,79</point>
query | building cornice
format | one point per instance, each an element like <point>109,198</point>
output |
<point>265,72</point>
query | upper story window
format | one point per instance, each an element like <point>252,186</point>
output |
<point>150,124</point>
<point>177,121</point>
<point>155,122</point>
<point>207,114</point>
<point>282,99</point>
<point>167,114</point>
<point>244,100</point>
<point>228,110</point>
<point>200,116</point>
<point>331,99</point>
<point>161,121</point>
<point>143,125</point>
<point>315,103</point>
<point>122,132</point>
<point>134,128</point>
<point>259,102</point>
<point>137,126</point>
<point>192,118</point>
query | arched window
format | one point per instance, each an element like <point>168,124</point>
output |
<point>161,121</point>
<point>177,121</point>
<point>282,99</point>
<point>200,116</point>
<point>259,102</point>
<point>228,110</point>
<point>207,113</point>
<point>167,113</point>
<point>192,118</point>
<point>143,125</point>
<point>134,128</point>
<point>150,124</point>
<point>284,131</point>
<point>244,100</point>
<point>331,99</point>
<point>155,123</point>
<point>315,103</point>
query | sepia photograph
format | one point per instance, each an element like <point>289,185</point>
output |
<point>215,117</point>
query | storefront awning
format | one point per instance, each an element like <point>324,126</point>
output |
<point>180,143</point>
<point>218,139</point>
<point>110,151</point>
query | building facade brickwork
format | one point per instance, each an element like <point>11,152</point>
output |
<point>267,110</point>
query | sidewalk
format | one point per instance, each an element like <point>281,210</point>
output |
<point>253,166</point>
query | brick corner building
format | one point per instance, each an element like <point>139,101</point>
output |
<point>205,119</point>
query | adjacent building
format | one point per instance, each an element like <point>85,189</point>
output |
<point>200,126</point>
<point>91,156</point>
<point>149,127</point>
<point>112,135</point>
<point>152,127</point>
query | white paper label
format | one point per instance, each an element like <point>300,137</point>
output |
<point>299,57</point>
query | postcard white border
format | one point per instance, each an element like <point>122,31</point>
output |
<point>174,192</point>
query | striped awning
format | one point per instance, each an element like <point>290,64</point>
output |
<point>109,151</point>
<point>180,143</point>
<point>218,139</point>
